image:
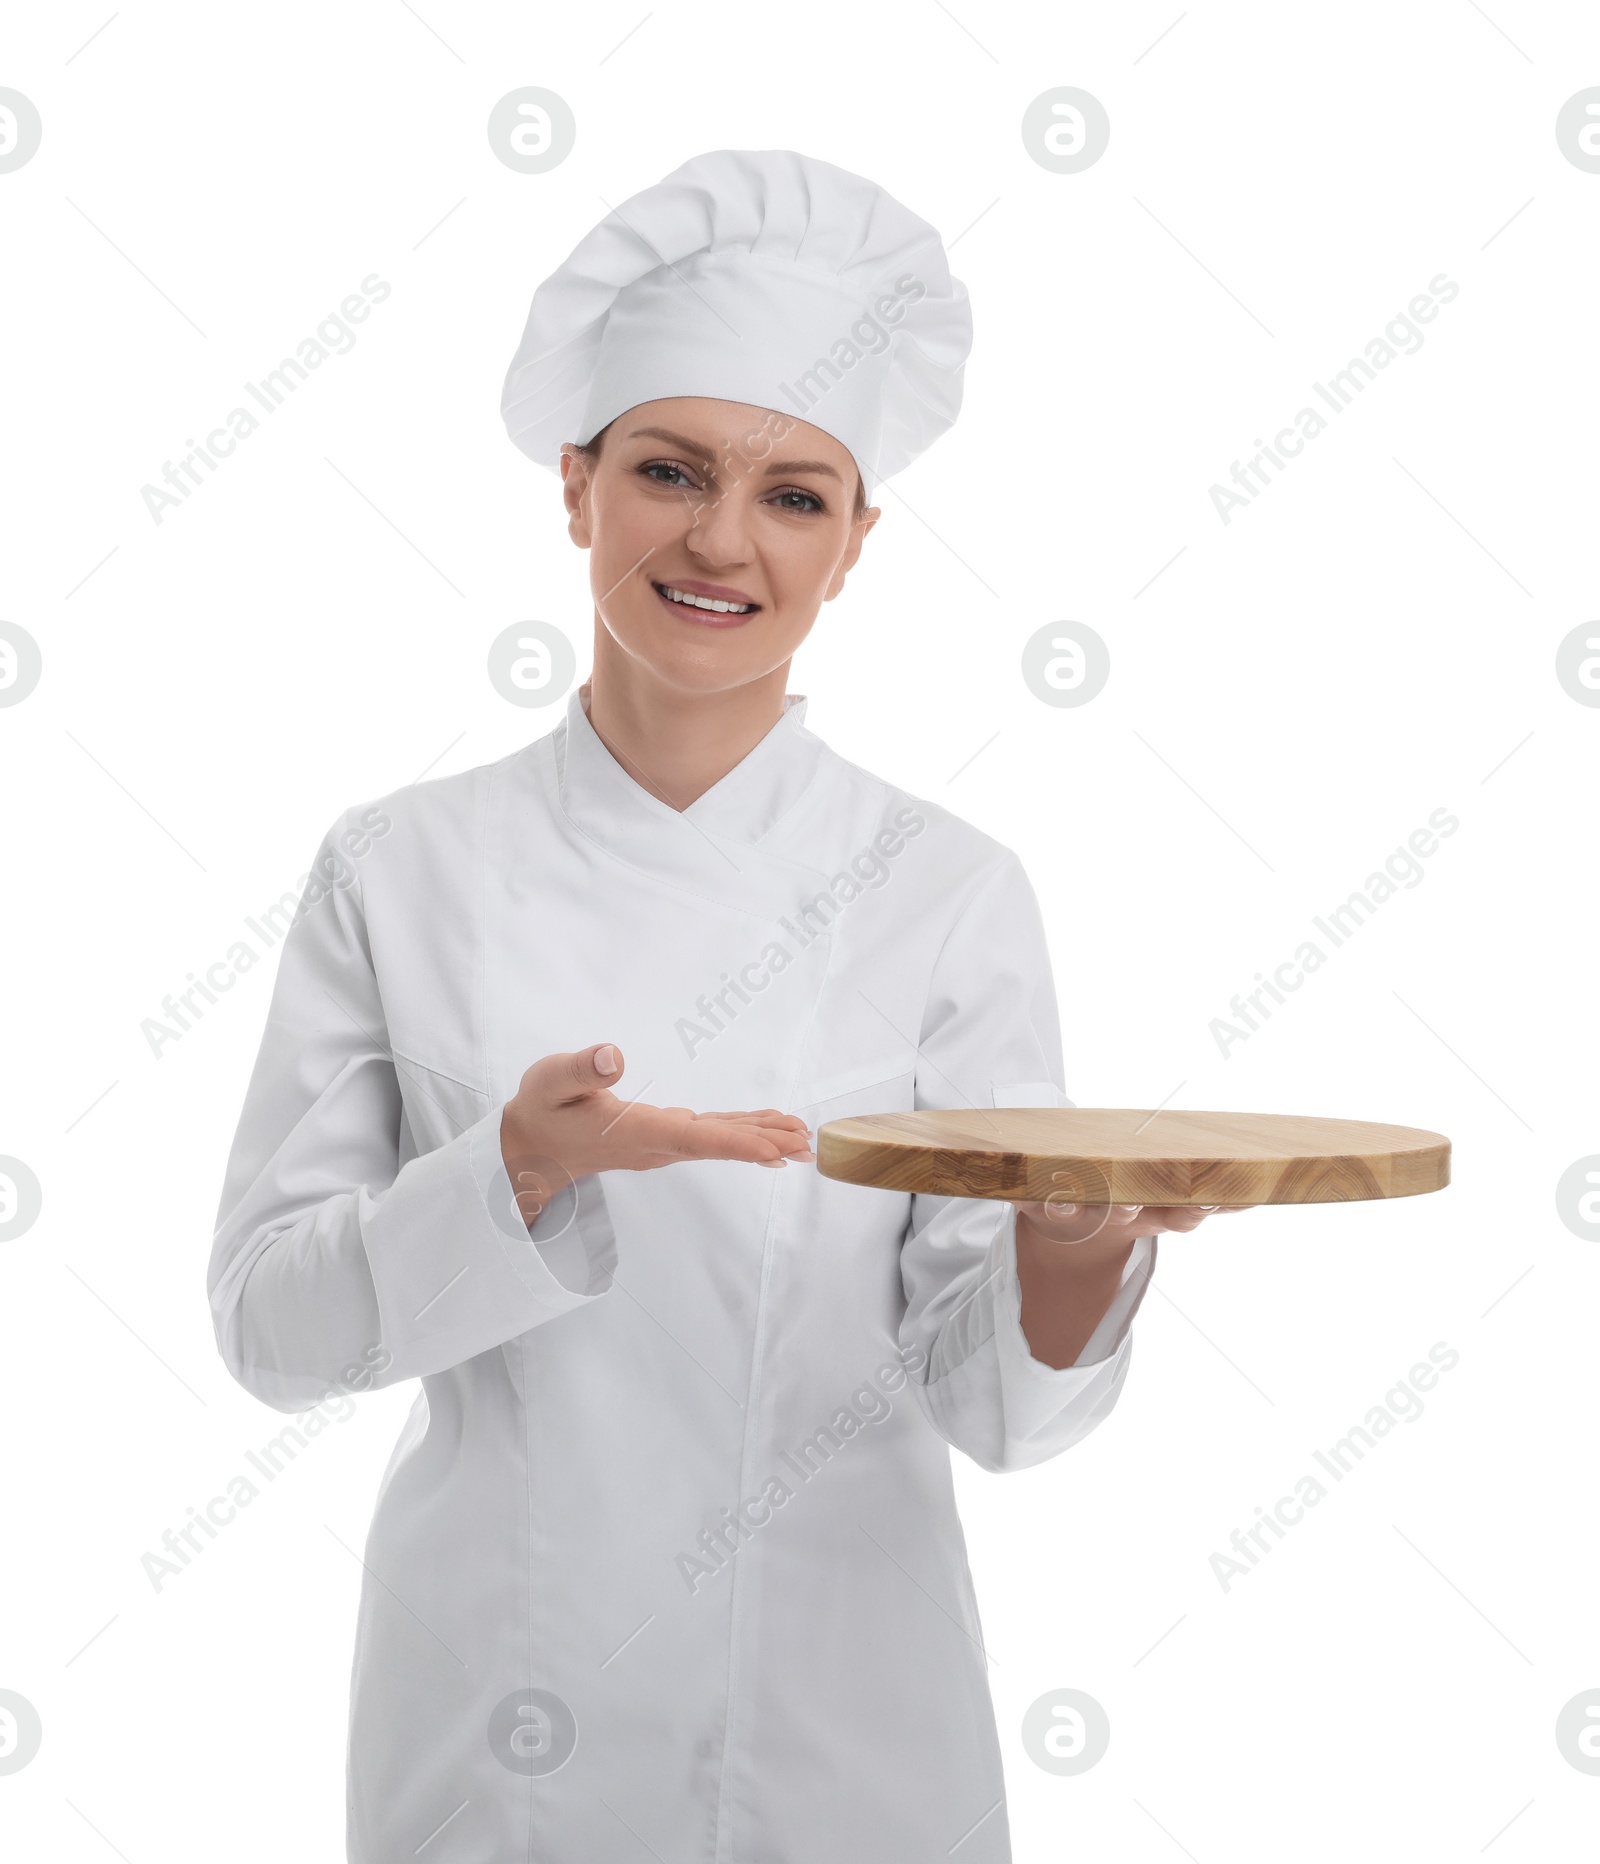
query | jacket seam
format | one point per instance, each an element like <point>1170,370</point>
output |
<point>443,1074</point>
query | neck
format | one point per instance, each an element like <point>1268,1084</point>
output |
<point>673,743</point>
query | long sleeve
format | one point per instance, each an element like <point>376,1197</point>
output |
<point>347,1255</point>
<point>991,1038</point>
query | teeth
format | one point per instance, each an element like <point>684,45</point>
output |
<point>705,601</point>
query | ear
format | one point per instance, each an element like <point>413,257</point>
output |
<point>575,475</point>
<point>858,536</point>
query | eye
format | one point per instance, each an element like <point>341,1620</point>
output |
<point>812,502</point>
<point>653,468</point>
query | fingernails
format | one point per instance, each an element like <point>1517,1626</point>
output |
<point>605,1059</point>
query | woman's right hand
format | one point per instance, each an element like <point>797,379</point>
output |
<point>565,1115</point>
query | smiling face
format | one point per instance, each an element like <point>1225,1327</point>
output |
<point>715,531</point>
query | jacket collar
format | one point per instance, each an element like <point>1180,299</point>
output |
<point>711,847</point>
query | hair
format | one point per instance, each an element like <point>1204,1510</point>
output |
<point>590,449</point>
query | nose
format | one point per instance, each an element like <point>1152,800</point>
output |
<point>719,529</point>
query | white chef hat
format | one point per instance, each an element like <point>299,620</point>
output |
<point>752,275</point>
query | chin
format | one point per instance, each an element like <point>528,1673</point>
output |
<point>691,659</point>
<point>705,670</point>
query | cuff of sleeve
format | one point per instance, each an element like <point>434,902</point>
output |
<point>455,1272</point>
<point>572,1235</point>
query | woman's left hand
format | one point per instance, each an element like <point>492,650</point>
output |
<point>1065,1291</point>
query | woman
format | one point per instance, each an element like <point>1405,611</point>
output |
<point>667,1558</point>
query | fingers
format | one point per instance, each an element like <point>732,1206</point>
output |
<point>761,1116</point>
<point>585,1072</point>
<point>1181,1220</point>
<point>1185,1217</point>
<point>782,1128</point>
<point>727,1141</point>
<point>1130,1219</point>
<point>728,1138</point>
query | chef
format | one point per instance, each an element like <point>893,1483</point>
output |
<point>666,1561</point>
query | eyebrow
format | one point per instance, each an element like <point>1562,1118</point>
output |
<point>782,466</point>
<point>701,453</point>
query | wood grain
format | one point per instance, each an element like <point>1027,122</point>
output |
<point>1122,1155</point>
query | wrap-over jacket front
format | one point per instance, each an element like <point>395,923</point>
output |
<point>667,1557</point>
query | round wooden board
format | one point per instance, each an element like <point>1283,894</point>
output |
<point>1120,1155</point>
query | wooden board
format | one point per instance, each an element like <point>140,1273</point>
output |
<point>1101,1155</point>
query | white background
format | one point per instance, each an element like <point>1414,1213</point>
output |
<point>1373,639</point>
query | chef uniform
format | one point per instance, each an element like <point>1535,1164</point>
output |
<point>667,1558</point>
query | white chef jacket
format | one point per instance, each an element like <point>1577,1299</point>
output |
<point>674,1501</point>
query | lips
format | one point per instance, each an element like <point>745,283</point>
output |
<point>710,604</point>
